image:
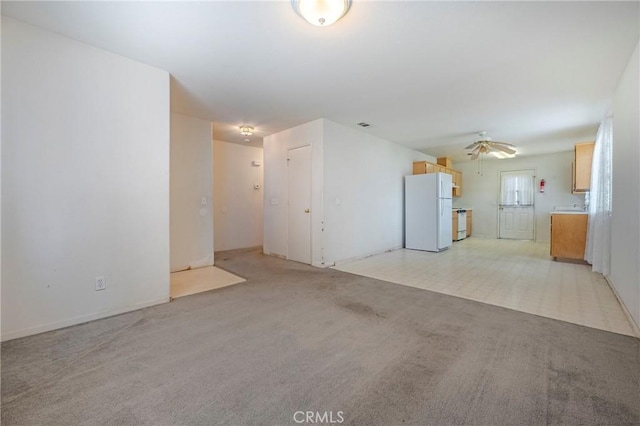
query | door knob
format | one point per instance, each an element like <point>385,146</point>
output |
<point>306,210</point>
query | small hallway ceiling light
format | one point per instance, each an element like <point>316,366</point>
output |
<point>321,13</point>
<point>246,130</point>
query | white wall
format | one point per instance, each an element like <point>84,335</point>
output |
<point>481,192</point>
<point>366,175</point>
<point>237,204</point>
<point>85,182</point>
<point>363,192</point>
<point>625,224</point>
<point>275,187</point>
<point>191,180</point>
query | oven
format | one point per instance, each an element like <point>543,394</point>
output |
<point>462,224</point>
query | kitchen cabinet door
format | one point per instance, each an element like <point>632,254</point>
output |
<point>568,235</point>
<point>457,182</point>
<point>444,161</point>
<point>454,227</point>
<point>469,222</point>
<point>583,156</point>
<point>419,167</point>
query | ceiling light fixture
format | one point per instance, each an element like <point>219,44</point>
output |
<point>246,130</point>
<point>321,13</point>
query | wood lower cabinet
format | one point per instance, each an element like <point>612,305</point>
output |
<point>469,222</point>
<point>454,225</point>
<point>568,235</point>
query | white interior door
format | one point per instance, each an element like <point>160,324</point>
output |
<point>299,209</point>
<point>516,208</point>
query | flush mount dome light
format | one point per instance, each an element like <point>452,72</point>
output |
<point>321,12</point>
<point>246,130</point>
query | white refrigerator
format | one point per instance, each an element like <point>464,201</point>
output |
<point>427,211</point>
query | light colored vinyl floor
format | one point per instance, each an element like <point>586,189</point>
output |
<point>518,275</point>
<point>194,281</point>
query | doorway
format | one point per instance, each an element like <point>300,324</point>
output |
<point>516,207</point>
<point>299,208</point>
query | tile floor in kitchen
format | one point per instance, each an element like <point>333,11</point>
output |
<point>192,281</point>
<point>518,275</point>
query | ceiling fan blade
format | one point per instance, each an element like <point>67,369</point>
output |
<point>486,145</point>
<point>503,149</point>
<point>503,143</point>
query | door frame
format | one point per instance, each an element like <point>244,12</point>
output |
<point>499,194</point>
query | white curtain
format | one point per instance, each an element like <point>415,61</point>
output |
<point>598,250</point>
<point>516,189</point>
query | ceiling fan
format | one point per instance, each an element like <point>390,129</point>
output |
<point>485,145</point>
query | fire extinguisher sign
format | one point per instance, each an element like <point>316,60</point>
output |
<point>541,185</point>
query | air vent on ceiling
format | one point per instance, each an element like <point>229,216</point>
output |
<point>363,124</point>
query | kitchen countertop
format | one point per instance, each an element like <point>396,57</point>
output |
<point>569,212</point>
<point>462,208</point>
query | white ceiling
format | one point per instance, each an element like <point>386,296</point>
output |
<point>427,75</point>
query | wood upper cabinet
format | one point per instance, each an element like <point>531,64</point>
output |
<point>568,235</point>
<point>457,183</point>
<point>581,176</point>
<point>419,167</point>
<point>424,167</point>
<point>445,161</point>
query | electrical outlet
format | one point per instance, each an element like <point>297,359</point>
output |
<point>101,283</point>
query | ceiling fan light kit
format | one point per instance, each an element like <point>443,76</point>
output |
<point>321,13</point>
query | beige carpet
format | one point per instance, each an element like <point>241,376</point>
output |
<point>194,281</point>
<point>293,338</point>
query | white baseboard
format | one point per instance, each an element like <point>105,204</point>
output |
<point>375,253</point>
<point>78,320</point>
<point>634,326</point>
<point>279,256</point>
